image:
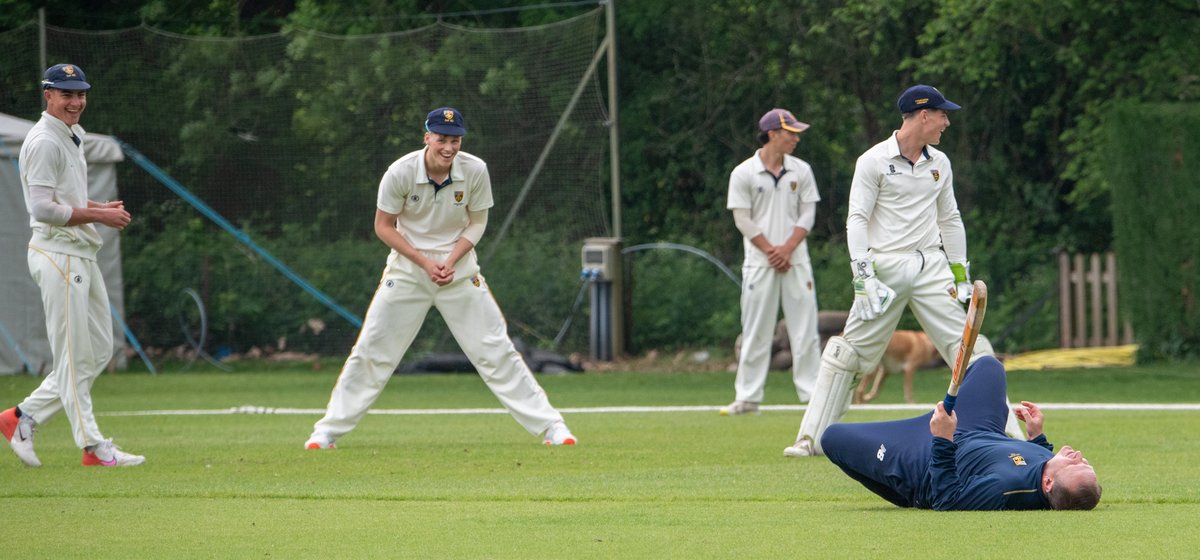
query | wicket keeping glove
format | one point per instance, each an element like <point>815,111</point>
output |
<point>871,296</point>
<point>962,288</point>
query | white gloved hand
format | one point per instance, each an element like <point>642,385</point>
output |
<point>871,296</point>
<point>962,288</point>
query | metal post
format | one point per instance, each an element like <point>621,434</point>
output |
<point>602,321</point>
<point>602,269</point>
<point>42,48</point>
<point>614,143</point>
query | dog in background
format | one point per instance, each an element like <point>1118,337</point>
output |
<point>907,351</point>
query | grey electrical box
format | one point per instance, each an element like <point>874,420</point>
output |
<point>600,258</point>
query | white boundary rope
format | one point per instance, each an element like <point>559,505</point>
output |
<point>253,409</point>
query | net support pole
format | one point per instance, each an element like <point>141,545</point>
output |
<point>614,142</point>
<point>42,47</point>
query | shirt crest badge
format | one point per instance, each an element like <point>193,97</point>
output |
<point>936,174</point>
<point>458,196</point>
<point>1017,459</point>
<point>475,281</point>
<point>795,185</point>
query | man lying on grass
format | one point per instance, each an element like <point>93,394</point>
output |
<point>964,461</point>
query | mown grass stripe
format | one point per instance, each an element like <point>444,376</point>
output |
<point>254,409</point>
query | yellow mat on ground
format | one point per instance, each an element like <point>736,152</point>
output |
<point>1102,356</point>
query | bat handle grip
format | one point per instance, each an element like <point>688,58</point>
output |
<point>948,402</point>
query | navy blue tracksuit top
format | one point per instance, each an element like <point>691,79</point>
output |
<point>982,469</point>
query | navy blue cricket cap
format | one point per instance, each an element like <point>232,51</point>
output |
<point>446,120</point>
<point>924,97</point>
<point>65,76</point>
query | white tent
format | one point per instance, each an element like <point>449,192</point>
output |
<point>23,343</point>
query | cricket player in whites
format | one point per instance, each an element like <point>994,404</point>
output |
<point>432,210</point>
<point>774,198</point>
<point>62,260</point>
<point>908,248</point>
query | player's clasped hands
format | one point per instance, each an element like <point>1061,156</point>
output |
<point>440,273</point>
<point>779,257</point>
<point>114,215</point>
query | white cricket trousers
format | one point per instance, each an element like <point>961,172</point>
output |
<point>763,289</point>
<point>921,281</point>
<point>396,313</point>
<point>79,327</point>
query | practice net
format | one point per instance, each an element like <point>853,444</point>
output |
<point>287,136</point>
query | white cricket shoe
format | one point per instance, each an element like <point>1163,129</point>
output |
<point>319,441</point>
<point>737,408</point>
<point>19,433</point>
<point>559,434</point>
<point>802,448</point>
<point>107,454</point>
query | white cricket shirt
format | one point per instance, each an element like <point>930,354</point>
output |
<point>774,204</point>
<point>433,220</point>
<point>898,206</point>
<point>49,158</point>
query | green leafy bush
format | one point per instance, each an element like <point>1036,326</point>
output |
<point>1151,158</point>
<point>247,302</point>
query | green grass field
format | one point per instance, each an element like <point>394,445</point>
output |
<point>640,485</point>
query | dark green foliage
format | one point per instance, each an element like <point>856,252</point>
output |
<point>680,299</point>
<point>248,303</point>
<point>1152,161</point>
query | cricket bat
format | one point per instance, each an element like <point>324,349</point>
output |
<point>975,313</point>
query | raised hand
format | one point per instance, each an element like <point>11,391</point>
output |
<point>1031,415</point>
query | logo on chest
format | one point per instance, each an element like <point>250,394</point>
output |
<point>936,174</point>
<point>892,170</point>
<point>1017,459</point>
<point>458,196</point>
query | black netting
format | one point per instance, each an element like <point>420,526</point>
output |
<point>287,136</point>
